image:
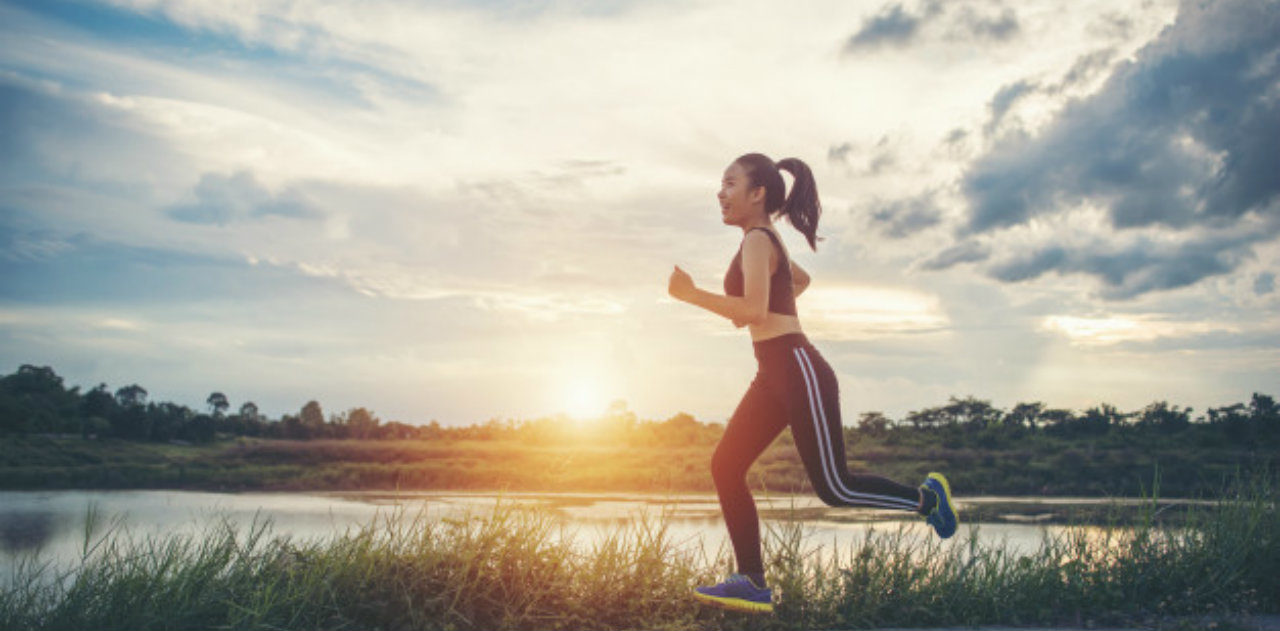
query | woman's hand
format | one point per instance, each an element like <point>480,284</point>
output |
<point>739,323</point>
<point>680,286</point>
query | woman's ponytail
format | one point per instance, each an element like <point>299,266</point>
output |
<point>802,206</point>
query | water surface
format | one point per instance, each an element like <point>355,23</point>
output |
<point>51,525</point>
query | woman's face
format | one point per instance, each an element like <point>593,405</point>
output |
<point>740,203</point>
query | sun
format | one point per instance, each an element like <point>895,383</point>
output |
<point>583,398</point>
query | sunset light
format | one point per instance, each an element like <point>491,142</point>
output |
<point>584,398</point>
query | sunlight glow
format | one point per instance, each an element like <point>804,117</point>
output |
<point>870,312</point>
<point>1113,330</point>
<point>584,398</point>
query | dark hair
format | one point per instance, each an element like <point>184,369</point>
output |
<point>801,207</point>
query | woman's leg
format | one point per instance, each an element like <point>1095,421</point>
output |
<point>813,406</point>
<point>759,418</point>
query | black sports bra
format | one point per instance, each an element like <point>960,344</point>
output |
<point>782,299</point>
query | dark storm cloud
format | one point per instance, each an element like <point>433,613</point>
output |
<point>903,217</point>
<point>1183,137</point>
<point>221,199</point>
<point>895,25</point>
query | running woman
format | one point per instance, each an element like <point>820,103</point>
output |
<point>793,386</point>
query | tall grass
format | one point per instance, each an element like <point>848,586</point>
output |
<point>512,568</point>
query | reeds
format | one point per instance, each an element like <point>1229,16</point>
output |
<point>518,568</point>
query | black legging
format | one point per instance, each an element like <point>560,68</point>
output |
<point>793,386</point>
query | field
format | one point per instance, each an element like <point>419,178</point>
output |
<point>1036,465</point>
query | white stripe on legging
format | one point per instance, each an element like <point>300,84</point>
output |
<point>826,448</point>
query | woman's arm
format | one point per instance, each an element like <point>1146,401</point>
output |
<point>799,279</point>
<point>753,305</point>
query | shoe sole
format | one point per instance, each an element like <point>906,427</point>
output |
<point>947,490</point>
<point>734,604</point>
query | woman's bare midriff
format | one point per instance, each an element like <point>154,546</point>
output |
<point>774,324</point>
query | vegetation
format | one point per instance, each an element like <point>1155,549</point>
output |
<point>58,437</point>
<point>518,569</point>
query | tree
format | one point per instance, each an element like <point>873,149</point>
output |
<point>37,401</point>
<point>98,402</point>
<point>1264,414</point>
<point>1164,417</point>
<point>131,396</point>
<point>361,423</point>
<point>312,419</point>
<point>1024,415</point>
<point>873,423</point>
<point>217,403</point>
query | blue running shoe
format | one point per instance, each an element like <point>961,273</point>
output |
<point>943,517</point>
<point>737,593</point>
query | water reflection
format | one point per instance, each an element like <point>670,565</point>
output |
<point>53,524</point>
<point>25,531</point>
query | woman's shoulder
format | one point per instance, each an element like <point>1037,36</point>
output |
<point>769,235</point>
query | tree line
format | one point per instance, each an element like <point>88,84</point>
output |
<point>34,400</point>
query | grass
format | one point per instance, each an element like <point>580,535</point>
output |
<point>512,568</point>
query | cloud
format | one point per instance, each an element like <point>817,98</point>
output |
<point>1181,139</point>
<point>1004,99</point>
<point>966,252</point>
<point>221,199</point>
<point>1264,284</point>
<point>880,157</point>
<point>1000,27</point>
<point>1085,68</point>
<point>903,217</point>
<point>895,25</point>
<point>1138,267</point>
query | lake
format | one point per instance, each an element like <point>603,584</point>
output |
<point>50,525</point>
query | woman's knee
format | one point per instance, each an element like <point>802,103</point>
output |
<point>827,496</point>
<point>725,468</point>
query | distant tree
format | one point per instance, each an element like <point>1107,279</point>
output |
<point>200,429</point>
<point>97,402</point>
<point>1234,422</point>
<point>926,418</point>
<point>1059,422</point>
<point>1264,414</point>
<point>873,423</point>
<point>361,423</point>
<point>312,418</point>
<point>131,396</point>
<point>167,421</point>
<point>217,403</point>
<point>36,401</point>
<point>972,413</point>
<point>1164,417</point>
<point>1024,415</point>
<point>291,427</point>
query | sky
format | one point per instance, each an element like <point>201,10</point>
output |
<point>459,211</point>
